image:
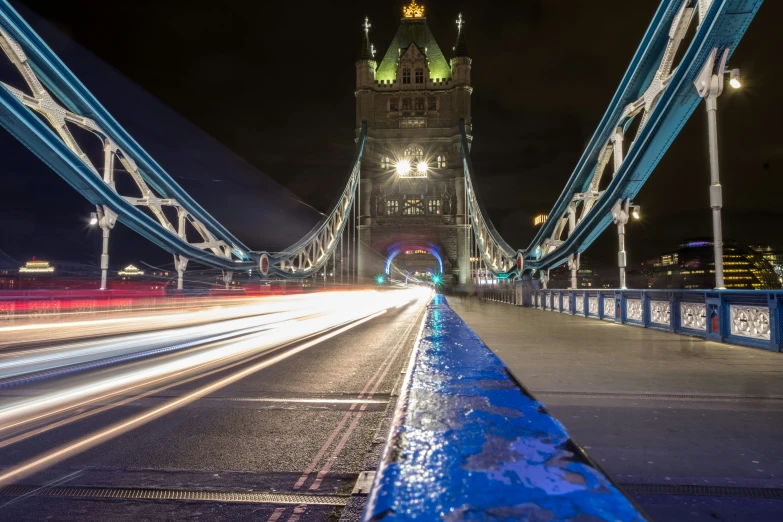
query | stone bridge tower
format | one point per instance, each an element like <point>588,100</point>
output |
<point>412,189</point>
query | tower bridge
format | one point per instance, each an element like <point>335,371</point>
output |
<point>412,188</point>
<point>386,405</point>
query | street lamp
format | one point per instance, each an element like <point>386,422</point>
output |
<point>637,210</point>
<point>421,168</point>
<point>106,219</point>
<point>709,85</point>
<point>734,79</point>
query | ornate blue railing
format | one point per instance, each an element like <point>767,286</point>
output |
<point>749,318</point>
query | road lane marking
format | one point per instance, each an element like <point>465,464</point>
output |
<point>52,457</point>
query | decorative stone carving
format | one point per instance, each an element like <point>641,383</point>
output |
<point>446,196</point>
<point>750,321</point>
<point>660,312</point>
<point>580,304</point>
<point>633,309</point>
<point>609,308</point>
<point>592,304</point>
<point>693,316</point>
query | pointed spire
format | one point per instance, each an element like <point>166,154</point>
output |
<point>368,50</point>
<point>461,48</point>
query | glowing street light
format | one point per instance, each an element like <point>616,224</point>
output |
<point>403,167</point>
<point>637,212</point>
<point>93,218</point>
<point>734,79</point>
<point>422,167</point>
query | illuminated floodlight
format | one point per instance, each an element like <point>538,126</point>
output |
<point>403,167</point>
<point>93,218</point>
<point>422,167</point>
<point>734,79</point>
<point>636,212</point>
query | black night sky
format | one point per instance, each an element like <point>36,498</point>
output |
<point>274,83</point>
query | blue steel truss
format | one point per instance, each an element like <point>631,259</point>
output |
<point>664,97</point>
<point>56,94</point>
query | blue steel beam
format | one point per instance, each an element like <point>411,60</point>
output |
<point>722,25</point>
<point>53,83</point>
<point>77,98</point>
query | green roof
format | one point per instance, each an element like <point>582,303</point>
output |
<point>416,31</point>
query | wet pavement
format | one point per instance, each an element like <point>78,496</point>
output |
<point>652,407</point>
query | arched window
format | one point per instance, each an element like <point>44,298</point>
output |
<point>386,163</point>
<point>412,153</point>
<point>442,162</point>
<point>406,76</point>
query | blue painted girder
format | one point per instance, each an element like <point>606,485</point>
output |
<point>722,27</point>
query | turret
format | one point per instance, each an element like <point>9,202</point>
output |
<point>460,72</point>
<point>460,62</point>
<point>365,64</point>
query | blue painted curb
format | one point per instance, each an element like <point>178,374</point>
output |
<point>470,443</point>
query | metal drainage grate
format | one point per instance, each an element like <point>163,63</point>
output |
<point>631,395</point>
<point>702,491</point>
<point>174,494</point>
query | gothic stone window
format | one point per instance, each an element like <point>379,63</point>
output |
<point>413,207</point>
<point>406,104</point>
<point>394,104</point>
<point>386,163</point>
<point>433,206</point>
<point>419,104</point>
<point>419,75</point>
<point>432,103</point>
<point>392,207</point>
<point>442,162</point>
<point>412,153</point>
<point>406,76</point>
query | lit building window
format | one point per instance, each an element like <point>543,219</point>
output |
<point>406,104</point>
<point>419,104</point>
<point>392,207</point>
<point>413,123</point>
<point>413,207</point>
<point>406,76</point>
<point>419,75</point>
<point>441,162</point>
<point>433,206</point>
<point>386,163</point>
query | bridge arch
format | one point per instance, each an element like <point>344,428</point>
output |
<point>399,248</point>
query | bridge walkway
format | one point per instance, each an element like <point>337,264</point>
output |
<point>659,411</point>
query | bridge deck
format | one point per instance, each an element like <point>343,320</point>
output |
<point>653,408</point>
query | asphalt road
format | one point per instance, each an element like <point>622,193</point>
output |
<point>282,431</point>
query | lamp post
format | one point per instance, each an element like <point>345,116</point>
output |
<point>709,85</point>
<point>621,211</point>
<point>105,219</point>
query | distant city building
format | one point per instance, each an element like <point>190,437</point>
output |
<point>130,272</point>
<point>773,255</point>
<point>540,219</point>
<point>35,268</point>
<point>692,266</point>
